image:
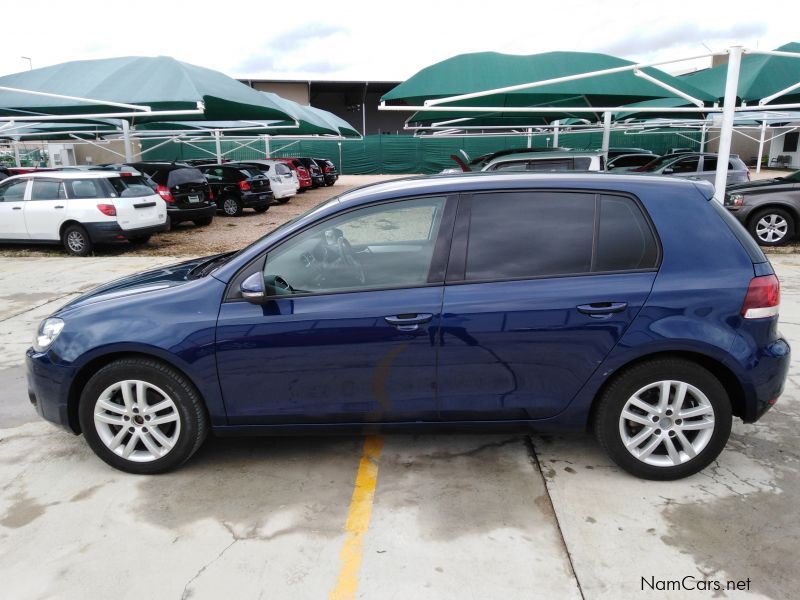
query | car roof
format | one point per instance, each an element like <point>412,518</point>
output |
<point>544,155</point>
<point>70,175</point>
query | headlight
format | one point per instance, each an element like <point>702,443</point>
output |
<point>47,334</point>
<point>735,200</point>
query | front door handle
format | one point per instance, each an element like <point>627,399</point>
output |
<point>59,206</point>
<point>409,321</point>
<point>16,208</point>
<point>602,309</point>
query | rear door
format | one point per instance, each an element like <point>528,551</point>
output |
<point>688,168</point>
<point>540,287</point>
<point>12,203</point>
<point>46,209</point>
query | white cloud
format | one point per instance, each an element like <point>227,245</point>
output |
<point>377,41</point>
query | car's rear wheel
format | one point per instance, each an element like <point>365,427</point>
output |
<point>203,222</point>
<point>233,207</point>
<point>663,419</point>
<point>76,240</point>
<point>141,416</point>
<point>140,240</point>
<point>772,227</point>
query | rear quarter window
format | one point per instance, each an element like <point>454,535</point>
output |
<point>84,188</point>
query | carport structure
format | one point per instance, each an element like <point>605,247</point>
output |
<point>488,90</point>
<point>108,98</point>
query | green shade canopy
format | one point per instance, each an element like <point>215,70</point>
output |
<point>86,130</point>
<point>633,111</point>
<point>162,83</point>
<point>761,75</point>
<point>481,71</point>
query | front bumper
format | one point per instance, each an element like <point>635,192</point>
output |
<point>112,232</point>
<point>48,389</point>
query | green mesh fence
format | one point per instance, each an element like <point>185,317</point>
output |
<point>406,154</point>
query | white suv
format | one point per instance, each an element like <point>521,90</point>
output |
<point>79,209</point>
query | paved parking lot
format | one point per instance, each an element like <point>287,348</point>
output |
<point>396,516</point>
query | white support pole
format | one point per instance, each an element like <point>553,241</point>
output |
<point>126,139</point>
<point>761,145</point>
<point>703,138</point>
<point>16,153</point>
<point>555,133</point>
<point>606,135</point>
<point>266,146</point>
<point>341,167</point>
<point>530,137</point>
<point>218,146</point>
<point>728,113</point>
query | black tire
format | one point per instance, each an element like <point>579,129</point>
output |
<point>140,240</point>
<point>203,222</point>
<point>780,219</point>
<point>76,240</point>
<point>261,209</point>
<point>613,400</point>
<point>232,207</point>
<point>188,403</point>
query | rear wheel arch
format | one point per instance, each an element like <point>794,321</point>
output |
<point>723,374</point>
<point>93,366</point>
<point>66,224</point>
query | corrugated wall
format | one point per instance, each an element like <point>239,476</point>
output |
<point>407,154</point>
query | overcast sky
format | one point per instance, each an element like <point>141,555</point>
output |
<point>379,40</point>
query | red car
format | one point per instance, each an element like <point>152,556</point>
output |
<point>303,176</point>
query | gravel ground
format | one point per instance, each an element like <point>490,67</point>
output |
<point>224,233</point>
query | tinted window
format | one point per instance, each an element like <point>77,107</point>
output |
<point>13,191</point>
<point>47,189</point>
<point>551,165</point>
<point>790,141</point>
<point>248,172</point>
<point>530,234</point>
<point>83,188</point>
<point>510,166</point>
<point>389,245</point>
<point>686,165</point>
<point>624,238</point>
<point>213,173</point>
<point>282,169</point>
<point>181,176</point>
<point>130,186</point>
<point>632,161</point>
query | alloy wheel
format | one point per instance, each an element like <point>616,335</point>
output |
<point>137,420</point>
<point>230,207</point>
<point>76,241</point>
<point>666,423</point>
<point>771,228</point>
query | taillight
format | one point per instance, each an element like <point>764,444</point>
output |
<point>210,193</point>
<point>164,192</point>
<point>327,169</point>
<point>125,174</point>
<point>244,186</point>
<point>763,298</point>
<point>107,209</point>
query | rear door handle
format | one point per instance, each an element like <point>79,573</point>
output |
<point>59,206</point>
<point>409,321</point>
<point>601,309</point>
<point>16,208</point>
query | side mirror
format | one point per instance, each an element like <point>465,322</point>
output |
<point>668,171</point>
<point>252,288</point>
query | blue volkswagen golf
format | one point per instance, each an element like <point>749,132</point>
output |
<point>553,302</point>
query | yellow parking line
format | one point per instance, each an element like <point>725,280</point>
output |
<point>358,520</point>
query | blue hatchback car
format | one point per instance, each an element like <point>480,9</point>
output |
<point>549,301</point>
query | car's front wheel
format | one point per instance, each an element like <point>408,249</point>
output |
<point>663,419</point>
<point>772,227</point>
<point>141,416</point>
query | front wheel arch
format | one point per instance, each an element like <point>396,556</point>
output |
<point>86,371</point>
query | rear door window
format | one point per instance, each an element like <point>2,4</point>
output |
<point>529,234</point>
<point>686,165</point>
<point>48,189</point>
<point>83,188</point>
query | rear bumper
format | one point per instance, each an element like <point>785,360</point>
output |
<point>331,179</point>
<point>256,200</point>
<point>190,214</point>
<point>763,376</point>
<point>112,232</point>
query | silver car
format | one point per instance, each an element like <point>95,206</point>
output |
<point>695,166</point>
<point>543,162</point>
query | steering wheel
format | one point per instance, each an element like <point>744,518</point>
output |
<point>349,258</point>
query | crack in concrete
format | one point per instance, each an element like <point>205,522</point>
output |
<point>32,308</point>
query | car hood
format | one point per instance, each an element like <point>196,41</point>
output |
<point>140,283</point>
<point>754,185</point>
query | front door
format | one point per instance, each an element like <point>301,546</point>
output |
<point>46,209</point>
<point>537,295</point>
<point>12,203</point>
<point>347,334</point>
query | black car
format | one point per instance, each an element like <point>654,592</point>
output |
<point>615,152</point>
<point>769,208</point>
<point>237,188</point>
<point>4,173</point>
<point>317,176</point>
<point>329,172</point>
<point>183,188</point>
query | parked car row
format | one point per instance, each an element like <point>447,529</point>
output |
<point>79,207</point>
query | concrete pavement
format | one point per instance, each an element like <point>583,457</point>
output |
<point>449,516</point>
